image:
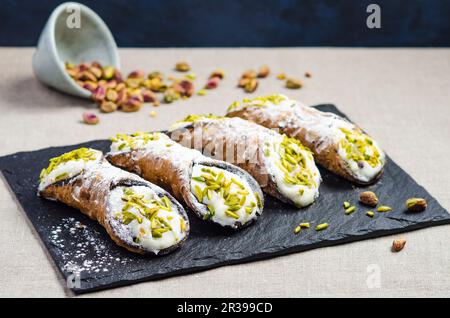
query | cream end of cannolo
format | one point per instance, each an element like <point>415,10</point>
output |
<point>293,170</point>
<point>362,155</point>
<point>229,198</point>
<point>146,220</point>
<point>138,140</point>
<point>275,100</point>
<point>68,165</point>
<point>191,119</point>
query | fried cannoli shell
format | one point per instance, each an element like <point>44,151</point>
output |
<point>234,140</point>
<point>89,191</point>
<point>287,122</point>
<point>173,174</point>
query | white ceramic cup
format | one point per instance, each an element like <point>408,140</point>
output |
<point>63,39</point>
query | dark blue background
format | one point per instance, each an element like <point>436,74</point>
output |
<point>223,23</point>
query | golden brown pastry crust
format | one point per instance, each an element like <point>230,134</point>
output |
<point>173,174</point>
<point>89,191</point>
<point>292,126</point>
<point>236,141</point>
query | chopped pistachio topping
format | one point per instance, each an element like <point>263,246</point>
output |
<point>359,147</point>
<point>350,210</point>
<point>232,191</point>
<point>292,162</point>
<point>135,140</point>
<point>193,118</point>
<point>136,207</point>
<point>322,226</point>
<point>74,155</point>
<point>259,101</point>
<point>384,208</point>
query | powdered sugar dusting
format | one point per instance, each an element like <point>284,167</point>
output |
<point>82,248</point>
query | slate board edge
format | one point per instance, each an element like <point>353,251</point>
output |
<point>265,256</point>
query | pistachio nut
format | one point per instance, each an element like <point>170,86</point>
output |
<point>108,106</point>
<point>182,67</point>
<point>416,204</point>
<point>293,83</point>
<point>398,244</point>
<point>368,198</point>
<point>132,104</point>
<point>263,71</point>
<point>251,86</point>
<point>90,118</point>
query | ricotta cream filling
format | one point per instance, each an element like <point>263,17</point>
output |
<point>241,204</point>
<point>68,169</point>
<point>329,127</point>
<point>302,194</point>
<point>153,225</point>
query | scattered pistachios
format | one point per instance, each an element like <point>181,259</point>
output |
<point>350,210</point>
<point>370,214</point>
<point>304,225</point>
<point>293,83</point>
<point>416,204</point>
<point>384,208</point>
<point>398,244</point>
<point>191,76</point>
<point>249,79</point>
<point>251,85</point>
<point>346,205</point>
<point>263,71</point>
<point>321,227</point>
<point>214,79</point>
<point>368,198</point>
<point>218,73</point>
<point>90,118</point>
<point>212,83</point>
<point>153,113</point>
<point>182,67</point>
<point>281,76</point>
<point>201,92</point>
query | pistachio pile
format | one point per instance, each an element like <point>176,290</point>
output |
<point>231,190</point>
<point>111,91</point>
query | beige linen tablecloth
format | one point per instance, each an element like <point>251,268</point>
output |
<point>400,96</point>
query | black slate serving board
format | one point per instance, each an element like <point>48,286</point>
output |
<point>90,261</point>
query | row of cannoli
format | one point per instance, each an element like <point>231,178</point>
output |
<point>268,144</point>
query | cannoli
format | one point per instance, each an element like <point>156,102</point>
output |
<point>283,167</point>
<point>136,214</point>
<point>337,144</point>
<point>215,190</point>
